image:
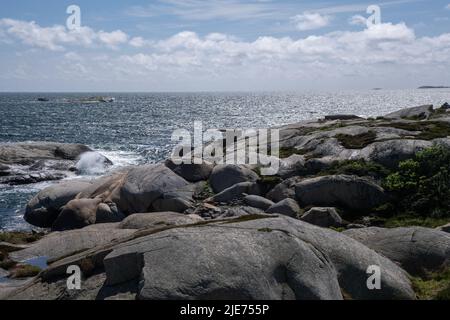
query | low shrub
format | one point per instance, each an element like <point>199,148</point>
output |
<point>421,186</point>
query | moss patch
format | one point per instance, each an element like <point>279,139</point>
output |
<point>287,152</point>
<point>358,141</point>
<point>20,237</point>
<point>429,130</point>
<point>25,271</point>
<point>434,286</point>
<point>412,221</point>
<point>205,193</point>
<point>359,168</point>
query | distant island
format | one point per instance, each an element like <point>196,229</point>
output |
<point>434,87</point>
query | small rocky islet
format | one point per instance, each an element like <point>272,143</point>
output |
<point>350,193</point>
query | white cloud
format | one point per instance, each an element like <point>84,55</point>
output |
<point>112,39</point>
<point>388,50</point>
<point>448,7</point>
<point>137,42</point>
<point>310,21</point>
<point>55,38</point>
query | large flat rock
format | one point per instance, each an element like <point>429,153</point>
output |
<point>416,249</point>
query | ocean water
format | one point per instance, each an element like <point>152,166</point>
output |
<point>137,127</point>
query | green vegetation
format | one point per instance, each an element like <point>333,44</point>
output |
<point>287,152</point>
<point>429,130</point>
<point>410,221</point>
<point>359,168</point>
<point>25,271</point>
<point>205,193</point>
<point>421,186</point>
<point>434,286</point>
<point>20,237</point>
<point>419,189</point>
<point>358,141</point>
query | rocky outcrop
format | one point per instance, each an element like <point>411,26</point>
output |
<point>28,153</point>
<point>287,207</point>
<point>418,250</point>
<point>44,208</point>
<point>283,190</point>
<point>157,220</point>
<point>146,186</point>
<point>260,258</point>
<point>258,202</point>
<point>33,162</point>
<point>58,245</point>
<point>323,217</point>
<point>80,213</point>
<point>343,191</point>
<point>235,192</point>
<point>225,176</point>
<point>415,113</point>
<point>191,172</point>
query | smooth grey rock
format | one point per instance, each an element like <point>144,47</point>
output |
<point>341,190</point>
<point>144,185</point>
<point>43,209</point>
<point>191,172</point>
<point>266,258</point>
<point>77,214</point>
<point>225,176</point>
<point>236,191</point>
<point>416,249</point>
<point>57,245</point>
<point>420,112</point>
<point>283,190</point>
<point>175,201</point>
<point>26,153</point>
<point>323,217</point>
<point>287,207</point>
<point>390,153</point>
<point>292,166</point>
<point>156,220</point>
<point>258,202</point>
<point>240,211</point>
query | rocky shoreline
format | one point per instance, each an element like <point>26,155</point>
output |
<point>206,231</point>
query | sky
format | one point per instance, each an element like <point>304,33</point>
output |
<point>223,45</point>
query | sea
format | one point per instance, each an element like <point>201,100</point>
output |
<point>136,128</point>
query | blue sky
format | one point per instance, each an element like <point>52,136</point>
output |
<point>223,45</point>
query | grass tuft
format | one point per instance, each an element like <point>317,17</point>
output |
<point>358,141</point>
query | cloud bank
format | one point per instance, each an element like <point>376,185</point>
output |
<point>219,60</point>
